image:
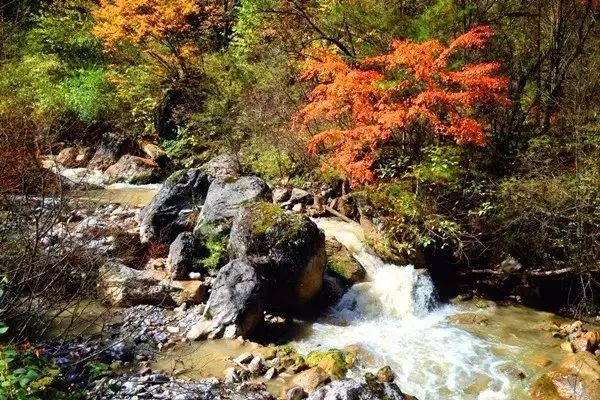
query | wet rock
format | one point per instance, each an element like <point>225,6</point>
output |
<point>288,250</point>
<point>182,254</point>
<point>334,362</point>
<point>358,390</point>
<point>270,374</point>
<point>311,379</point>
<point>255,366</point>
<point>171,210</point>
<point>577,377</point>
<point>237,298</point>
<point>132,169</point>
<point>385,374</point>
<point>341,262</point>
<point>244,358</point>
<point>226,196</point>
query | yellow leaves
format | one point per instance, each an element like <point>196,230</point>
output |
<point>369,104</point>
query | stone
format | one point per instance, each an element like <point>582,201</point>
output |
<point>244,358</point>
<point>231,375</point>
<point>153,151</point>
<point>237,298</point>
<point>298,208</point>
<point>334,362</point>
<point>296,393</point>
<point>567,346</point>
<point>171,210</point>
<point>300,196</point>
<point>68,157</point>
<point>132,169</point>
<point>311,379</point>
<point>112,147</point>
<point>270,374</point>
<point>256,365</point>
<point>576,378</point>
<point>281,194</point>
<point>351,389</point>
<point>122,286</point>
<point>342,263</point>
<point>226,196</point>
<point>182,254</point>
<point>200,330</point>
<point>287,249</point>
<point>385,374</point>
<point>223,166</point>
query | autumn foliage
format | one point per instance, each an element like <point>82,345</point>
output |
<point>365,104</point>
<point>168,30</point>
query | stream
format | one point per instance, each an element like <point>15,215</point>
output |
<point>438,351</point>
<point>394,316</point>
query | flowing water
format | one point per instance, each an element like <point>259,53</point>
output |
<point>395,317</point>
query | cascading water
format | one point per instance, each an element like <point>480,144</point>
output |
<point>393,316</point>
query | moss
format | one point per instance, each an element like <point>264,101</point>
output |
<point>265,216</point>
<point>214,246</point>
<point>335,362</point>
<point>175,176</point>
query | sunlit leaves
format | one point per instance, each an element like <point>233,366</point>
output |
<point>363,104</point>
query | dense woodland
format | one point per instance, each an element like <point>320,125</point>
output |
<point>468,130</point>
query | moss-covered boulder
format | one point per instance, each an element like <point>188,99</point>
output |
<point>341,262</point>
<point>288,251</point>
<point>335,362</point>
<point>227,195</point>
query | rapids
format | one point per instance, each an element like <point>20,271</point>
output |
<point>395,317</point>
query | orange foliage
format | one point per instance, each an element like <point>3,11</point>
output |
<point>380,96</point>
<point>166,29</point>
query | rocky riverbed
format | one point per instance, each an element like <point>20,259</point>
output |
<point>219,287</point>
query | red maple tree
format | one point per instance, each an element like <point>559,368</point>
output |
<point>365,103</point>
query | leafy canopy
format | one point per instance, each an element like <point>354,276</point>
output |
<point>363,105</point>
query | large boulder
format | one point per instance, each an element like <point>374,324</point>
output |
<point>182,254</point>
<point>170,211</point>
<point>132,169</point>
<point>351,389</point>
<point>72,157</point>
<point>236,301</point>
<point>111,148</point>
<point>287,249</point>
<point>576,378</point>
<point>122,286</point>
<point>226,196</point>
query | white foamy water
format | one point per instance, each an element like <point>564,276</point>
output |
<point>394,317</point>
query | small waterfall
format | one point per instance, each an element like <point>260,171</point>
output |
<point>394,316</point>
<point>390,290</point>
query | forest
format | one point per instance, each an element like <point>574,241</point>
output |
<point>326,199</point>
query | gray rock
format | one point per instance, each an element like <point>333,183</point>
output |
<point>132,169</point>
<point>122,286</point>
<point>227,195</point>
<point>351,389</point>
<point>300,196</point>
<point>169,212</point>
<point>281,194</point>
<point>287,249</point>
<point>223,166</point>
<point>237,298</point>
<point>181,257</point>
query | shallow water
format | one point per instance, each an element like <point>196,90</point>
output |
<point>127,195</point>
